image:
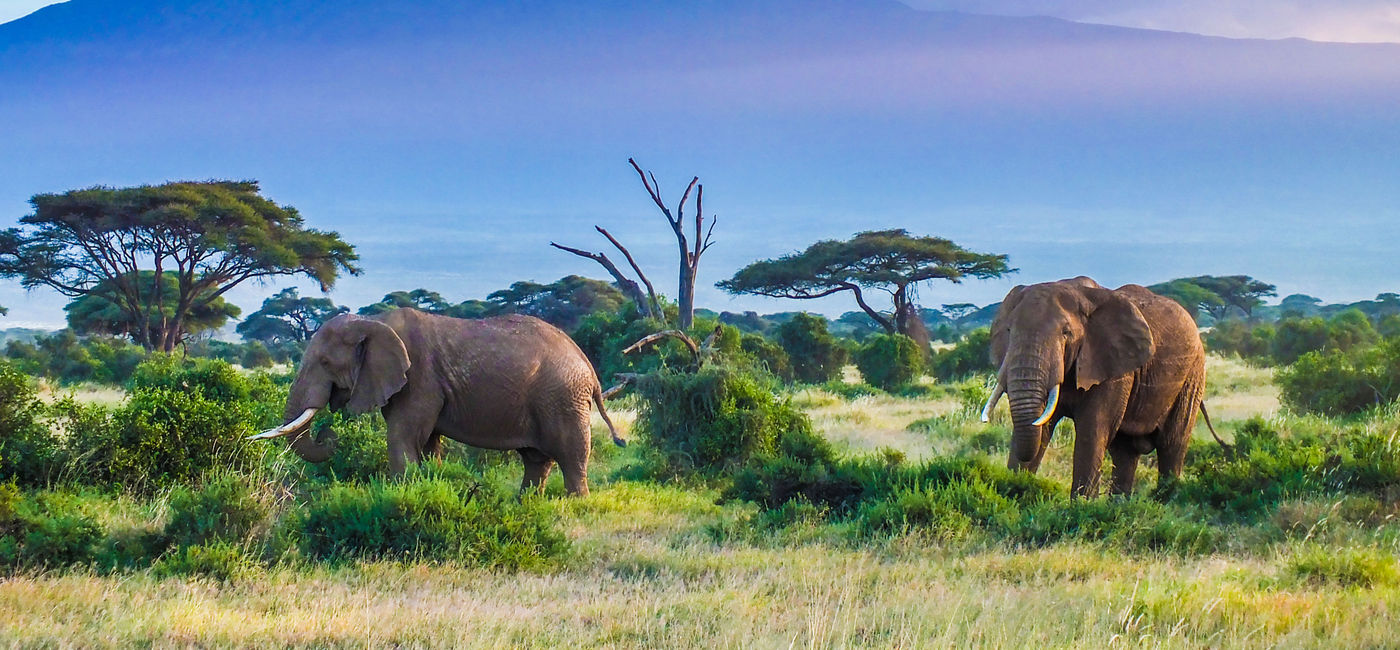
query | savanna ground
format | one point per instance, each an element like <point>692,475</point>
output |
<point>664,565</point>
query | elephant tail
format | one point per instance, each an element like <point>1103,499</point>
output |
<point>1211,426</point>
<point>598,400</point>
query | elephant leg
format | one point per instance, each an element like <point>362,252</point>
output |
<point>1095,422</point>
<point>1174,437</point>
<point>537,467</point>
<point>433,448</point>
<point>411,425</point>
<point>1125,454</point>
<point>567,437</point>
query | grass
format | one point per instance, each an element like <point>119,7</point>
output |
<point>663,565</point>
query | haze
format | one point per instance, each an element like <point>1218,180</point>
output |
<point>452,155</point>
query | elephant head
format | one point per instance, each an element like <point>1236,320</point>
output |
<point>1045,335</point>
<point>351,363</point>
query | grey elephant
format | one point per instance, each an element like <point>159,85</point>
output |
<point>1126,365</point>
<point>510,382</point>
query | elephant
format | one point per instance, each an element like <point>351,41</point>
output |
<point>1126,365</point>
<point>508,382</point>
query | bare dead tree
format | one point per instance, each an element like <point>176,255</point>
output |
<point>690,252</point>
<point>647,308</point>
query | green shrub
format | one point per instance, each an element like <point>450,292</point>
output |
<point>29,453</point>
<point>1295,337</point>
<point>223,561</point>
<point>889,360</point>
<point>65,358</point>
<point>1349,567</point>
<point>361,450</point>
<point>1138,523</point>
<point>1241,338</point>
<point>1334,383</point>
<point>970,356</point>
<point>716,418</point>
<point>851,391</point>
<point>130,548</point>
<point>1265,469</point>
<point>45,530</point>
<point>211,379</point>
<point>917,508</point>
<point>224,509</point>
<point>166,437</point>
<point>431,519</point>
<point>815,354</point>
<point>768,355</point>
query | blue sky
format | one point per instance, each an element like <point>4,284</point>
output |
<point>1324,20</point>
<point>1129,165</point>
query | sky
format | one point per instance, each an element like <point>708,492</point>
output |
<point>12,9</point>
<point>454,173</point>
<point>1346,21</point>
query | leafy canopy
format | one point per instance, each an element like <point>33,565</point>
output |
<point>288,317</point>
<point>101,311</point>
<point>213,235</point>
<point>889,260</point>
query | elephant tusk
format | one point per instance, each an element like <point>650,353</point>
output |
<point>290,427</point>
<point>1050,403</point>
<point>992,402</point>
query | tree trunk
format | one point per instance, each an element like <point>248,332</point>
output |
<point>687,297</point>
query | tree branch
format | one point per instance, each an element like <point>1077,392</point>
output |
<point>628,286</point>
<point>675,334</point>
<point>651,291</point>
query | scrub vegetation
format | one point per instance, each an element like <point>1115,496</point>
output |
<point>861,519</point>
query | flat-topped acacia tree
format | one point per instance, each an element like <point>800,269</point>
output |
<point>212,235</point>
<point>891,261</point>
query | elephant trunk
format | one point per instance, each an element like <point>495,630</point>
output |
<point>308,396</point>
<point>1028,389</point>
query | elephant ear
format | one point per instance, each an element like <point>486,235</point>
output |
<point>1003,321</point>
<point>1117,339</point>
<point>381,365</point>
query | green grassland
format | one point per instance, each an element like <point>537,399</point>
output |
<point>682,562</point>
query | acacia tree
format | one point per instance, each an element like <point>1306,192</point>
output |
<point>690,251</point>
<point>1216,294</point>
<point>1190,296</point>
<point>101,312</point>
<point>212,235</point>
<point>1239,291</point>
<point>892,261</point>
<point>288,317</point>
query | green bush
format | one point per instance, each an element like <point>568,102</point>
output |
<point>713,419</point>
<point>166,437</point>
<point>361,450</point>
<point>29,453</point>
<point>224,509</point>
<point>1331,383</point>
<point>431,519</point>
<point>1295,337</point>
<point>851,391</point>
<point>44,530</point>
<point>768,355</point>
<point>221,561</point>
<point>1264,469</point>
<point>970,356</point>
<point>815,354</point>
<point>1350,567</point>
<point>1138,523</point>
<point>181,419</point>
<point>65,358</point>
<point>1241,338</point>
<point>209,378</point>
<point>889,360</point>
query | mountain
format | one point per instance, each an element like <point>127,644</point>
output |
<point>480,131</point>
